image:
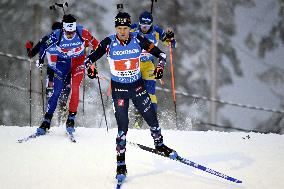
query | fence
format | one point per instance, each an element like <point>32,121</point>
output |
<point>92,114</point>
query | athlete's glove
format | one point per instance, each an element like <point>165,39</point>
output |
<point>29,46</point>
<point>39,63</point>
<point>92,71</point>
<point>170,35</point>
<point>159,71</point>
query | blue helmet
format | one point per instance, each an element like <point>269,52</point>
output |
<point>146,18</point>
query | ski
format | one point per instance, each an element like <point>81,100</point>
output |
<point>187,162</point>
<point>71,137</point>
<point>120,180</point>
<point>35,135</point>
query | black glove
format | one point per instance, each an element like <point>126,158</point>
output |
<point>29,46</point>
<point>159,72</point>
<point>170,35</point>
<point>92,72</point>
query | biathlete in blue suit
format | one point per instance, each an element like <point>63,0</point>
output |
<point>123,52</point>
<point>51,55</point>
<point>70,43</point>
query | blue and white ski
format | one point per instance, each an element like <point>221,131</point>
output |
<point>35,135</point>
<point>187,162</point>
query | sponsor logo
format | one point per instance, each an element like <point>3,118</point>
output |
<point>120,102</point>
<point>52,49</point>
<point>128,79</point>
<point>138,88</point>
<point>121,90</point>
<point>132,51</point>
<point>71,44</point>
<point>148,108</point>
<point>57,76</point>
<point>142,93</point>
<point>145,102</point>
<point>146,19</point>
<point>49,41</point>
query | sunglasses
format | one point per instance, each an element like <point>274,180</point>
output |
<point>145,26</point>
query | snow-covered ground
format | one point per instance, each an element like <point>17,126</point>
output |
<point>52,161</point>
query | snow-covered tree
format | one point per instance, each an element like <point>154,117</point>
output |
<point>274,75</point>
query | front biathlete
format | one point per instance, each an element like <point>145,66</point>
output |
<point>123,52</point>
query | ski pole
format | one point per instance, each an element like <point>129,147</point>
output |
<point>29,46</point>
<point>152,5</point>
<point>173,82</point>
<point>84,88</point>
<point>100,89</point>
<point>30,60</point>
<point>42,95</point>
<point>108,94</point>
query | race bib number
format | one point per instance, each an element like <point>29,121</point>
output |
<point>126,65</point>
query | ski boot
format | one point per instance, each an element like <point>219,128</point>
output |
<point>45,125</point>
<point>70,122</point>
<point>121,170</point>
<point>163,149</point>
<point>166,151</point>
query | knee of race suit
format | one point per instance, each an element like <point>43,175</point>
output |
<point>56,93</point>
<point>121,143</point>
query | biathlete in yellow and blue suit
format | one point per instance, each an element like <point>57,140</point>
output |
<point>153,33</point>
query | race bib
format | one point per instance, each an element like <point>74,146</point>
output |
<point>126,67</point>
